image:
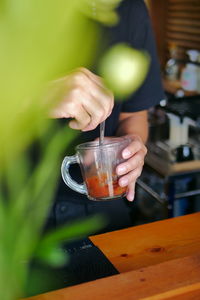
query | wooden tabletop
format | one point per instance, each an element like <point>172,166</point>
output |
<point>153,243</point>
<point>160,260</point>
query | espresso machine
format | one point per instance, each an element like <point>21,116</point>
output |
<point>180,148</point>
<point>171,175</point>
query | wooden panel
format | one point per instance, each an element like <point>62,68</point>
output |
<point>183,29</point>
<point>181,23</point>
<point>158,10</point>
<point>183,14</point>
<point>176,279</point>
<point>184,45</point>
<point>173,2</point>
<point>183,26</point>
<point>183,36</point>
<point>184,22</point>
<point>187,7</point>
<point>153,243</point>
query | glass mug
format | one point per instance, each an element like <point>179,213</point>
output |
<point>98,168</point>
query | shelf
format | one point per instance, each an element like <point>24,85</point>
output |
<point>172,87</point>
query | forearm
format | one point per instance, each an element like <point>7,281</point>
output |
<point>134,123</point>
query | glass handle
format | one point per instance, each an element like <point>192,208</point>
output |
<point>67,161</point>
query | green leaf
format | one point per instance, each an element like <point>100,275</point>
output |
<point>48,248</point>
<point>40,41</point>
<point>52,255</point>
<point>102,11</point>
<point>124,69</point>
<point>74,230</point>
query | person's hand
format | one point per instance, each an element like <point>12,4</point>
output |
<point>130,170</point>
<point>85,99</point>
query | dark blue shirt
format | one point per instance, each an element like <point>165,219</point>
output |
<point>135,29</point>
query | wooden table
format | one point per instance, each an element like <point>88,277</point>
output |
<point>160,260</point>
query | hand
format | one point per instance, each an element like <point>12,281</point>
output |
<point>85,99</point>
<point>132,168</point>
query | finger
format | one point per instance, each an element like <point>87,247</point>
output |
<point>132,148</point>
<point>58,113</point>
<point>130,194</point>
<point>63,110</point>
<point>130,177</point>
<point>88,92</point>
<point>81,118</point>
<point>99,91</point>
<point>95,78</point>
<point>134,162</point>
<point>105,99</point>
<point>85,76</point>
<point>96,112</point>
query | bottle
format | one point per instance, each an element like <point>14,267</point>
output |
<point>189,75</point>
<point>172,67</point>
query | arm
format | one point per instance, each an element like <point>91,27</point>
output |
<point>134,123</point>
<point>136,126</point>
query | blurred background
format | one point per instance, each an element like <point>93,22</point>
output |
<point>169,185</point>
<point>35,51</point>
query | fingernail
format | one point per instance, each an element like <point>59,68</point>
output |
<point>126,153</point>
<point>121,170</point>
<point>73,125</point>
<point>130,198</point>
<point>123,182</point>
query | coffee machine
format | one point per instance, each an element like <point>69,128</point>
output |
<point>181,148</point>
<point>182,142</point>
<point>171,175</point>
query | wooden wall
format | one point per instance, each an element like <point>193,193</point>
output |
<point>175,22</point>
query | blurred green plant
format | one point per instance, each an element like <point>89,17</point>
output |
<point>40,41</point>
<point>124,69</point>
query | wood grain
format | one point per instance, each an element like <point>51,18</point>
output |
<point>158,261</point>
<point>185,13</point>
<point>175,279</point>
<point>150,244</point>
<point>184,293</point>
